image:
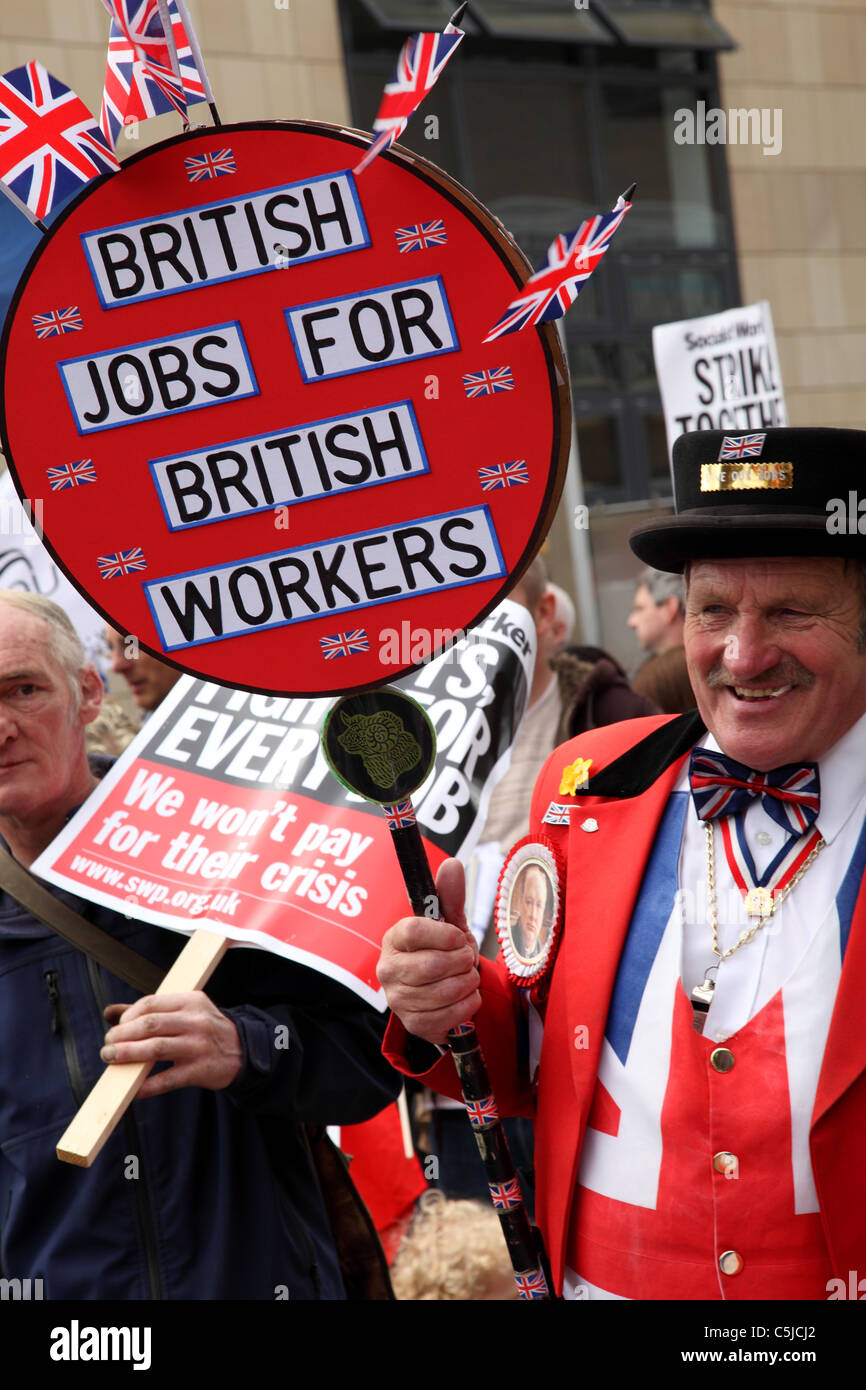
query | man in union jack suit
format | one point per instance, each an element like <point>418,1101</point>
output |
<point>697,1052</point>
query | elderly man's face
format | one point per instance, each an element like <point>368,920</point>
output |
<point>772,653</point>
<point>43,767</point>
<point>533,900</point>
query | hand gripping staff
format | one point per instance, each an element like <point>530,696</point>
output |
<point>381,745</point>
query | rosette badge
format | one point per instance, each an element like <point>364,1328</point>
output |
<point>529,909</point>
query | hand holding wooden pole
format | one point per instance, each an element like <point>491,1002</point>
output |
<point>117,1087</point>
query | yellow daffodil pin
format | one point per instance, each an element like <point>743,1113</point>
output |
<point>574,778</point>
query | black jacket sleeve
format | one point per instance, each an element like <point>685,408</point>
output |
<point>312,1047</point>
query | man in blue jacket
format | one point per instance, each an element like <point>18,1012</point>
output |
<point>207,1188</point>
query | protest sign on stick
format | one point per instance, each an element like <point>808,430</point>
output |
<point>297,445</point>
<point>222,816</point>
<point>295,437</point>
<point>720,372</point>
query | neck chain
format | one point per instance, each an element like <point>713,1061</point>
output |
<point>761,903</point>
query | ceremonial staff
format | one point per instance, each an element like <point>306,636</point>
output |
<point>381,745</point>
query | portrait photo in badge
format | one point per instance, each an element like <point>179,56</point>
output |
<point>531,910</point>
<point>528,909</point>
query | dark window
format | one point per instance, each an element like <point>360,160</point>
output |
<point>661,22</point>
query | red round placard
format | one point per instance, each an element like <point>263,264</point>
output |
<point>251,392</point>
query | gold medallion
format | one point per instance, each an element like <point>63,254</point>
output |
<point>759,902</point>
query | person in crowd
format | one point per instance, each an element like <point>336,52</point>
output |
<point>207,1189</point>
<point>564,617</point>
<point>699,1082</point>
<point>664,679</point>
<point>658,611</point>
<point>111,731</point>
<point>148,678</point>
<point>593,690</point>
<point>453,1251</point>
<point>571,690</point>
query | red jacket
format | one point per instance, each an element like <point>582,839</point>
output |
<point>604,871</point>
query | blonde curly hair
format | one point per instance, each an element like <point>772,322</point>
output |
<point>454,1250</point>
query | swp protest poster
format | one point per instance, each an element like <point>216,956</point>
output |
<point>223,814</point>
<point>720,372</point>
<point>252,389</point>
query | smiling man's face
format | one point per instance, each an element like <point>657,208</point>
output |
<point>773,657</point>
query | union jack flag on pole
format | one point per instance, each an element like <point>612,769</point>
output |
<point>482,1113</point>
<point>150,68</point>
<point>57,322</point>
<point>50,143</point>
<point>571,259</point>
<point>531,1284</point>
<point>422,58</point>
<point>121,562</point>
<point>71,475</point>
<point>505,1195</point>
<point>399,815</point>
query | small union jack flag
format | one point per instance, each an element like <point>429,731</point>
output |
<point>399,815</point>
<point>741,446</point>
<point>71,475</point>
<point>488,383</point>
<point>422,235</point>
<point>344,643</point>
<point>571,259</point>
<point>422,58</point>
<point>505,1195</point>
<point>503,475</point>
<point>121,562</point>
<point>463,1028</point>
<point>210,166</point>
<point>49,142</point>
<point>57,322</point>
<point>140,77</point>
<point>482,1113</point>
<point>531,1284</point>
<point>557,813</point>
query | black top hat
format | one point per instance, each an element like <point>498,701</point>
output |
<point>780,492</point>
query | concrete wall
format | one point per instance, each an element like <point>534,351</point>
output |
<point>800,216</point>
<point>265,61</point>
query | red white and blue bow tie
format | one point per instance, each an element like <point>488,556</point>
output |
<point>722,787</point>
